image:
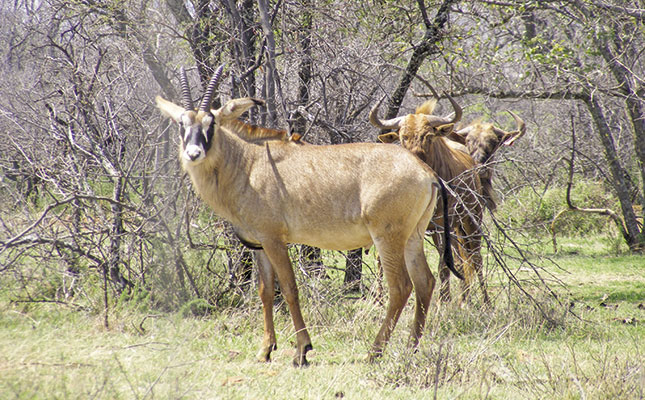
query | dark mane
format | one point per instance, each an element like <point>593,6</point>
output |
<point>254,133</point>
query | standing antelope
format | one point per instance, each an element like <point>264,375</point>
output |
<point>482,140</point>
<point>424,135</point>
<point>340,197</point>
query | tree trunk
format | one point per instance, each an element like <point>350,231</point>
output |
<point>635,110</point>
<point>116,233</point>
<point>311,260</point>
<point>240,265</point>
<point>247,15</point>
<point>428,45</point>
<point>310,257</point>
<point>243,50</point>
<point>353,269</point>
<point>270,76</point>
<point>632,233</point>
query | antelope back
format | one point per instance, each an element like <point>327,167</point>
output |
<point>254,133</point>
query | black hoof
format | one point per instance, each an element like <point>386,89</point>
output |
<point>265,355</point>
<point>300,360</point>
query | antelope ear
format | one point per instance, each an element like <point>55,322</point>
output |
<point>233,109</point>
<point>458,136</point>
<point>169,109</point>
<point>445,129</point>
<point>389,137</point>
<point>510,139</point>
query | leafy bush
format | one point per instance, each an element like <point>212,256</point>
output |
<point>196,308</point>
<point>533,210</point>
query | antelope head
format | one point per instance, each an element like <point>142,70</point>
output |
<point>484,139</point>
<point>197,127</point>
<point>416,131</point>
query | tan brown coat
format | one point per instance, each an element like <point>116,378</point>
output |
<point>335,197</point>
<point>425,135</point>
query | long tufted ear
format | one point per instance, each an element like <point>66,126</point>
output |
<point>233,109</point>
<point>389,137</point>
<point>170,109</point>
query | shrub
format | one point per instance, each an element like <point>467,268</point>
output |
<point>533,210</point>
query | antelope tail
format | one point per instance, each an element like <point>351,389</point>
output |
<point>447,248</point>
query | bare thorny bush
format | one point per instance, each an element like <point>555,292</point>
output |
<point>91,188</point>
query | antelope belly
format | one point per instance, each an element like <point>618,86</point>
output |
<point>341,238</point>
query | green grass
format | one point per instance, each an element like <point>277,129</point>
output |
<point>511,351</point>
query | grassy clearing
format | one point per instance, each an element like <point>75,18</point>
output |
<point>509,351</point>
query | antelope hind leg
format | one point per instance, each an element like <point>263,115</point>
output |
<point>400,287</point>
<point>444,272</point>
<point>267,293</point>
<point>473,264</point>
<point>423,281</point>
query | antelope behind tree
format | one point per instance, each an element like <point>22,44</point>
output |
<point>482,140</point>
<point>425,135</point>
<point>338,197</point>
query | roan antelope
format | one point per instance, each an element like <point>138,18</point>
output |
<point>338,197</point>
<point>482,140</point>
<point>425,135</point>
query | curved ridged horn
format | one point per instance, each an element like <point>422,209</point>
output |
<point>511,137</point>
<point>464,131</point>
<point>458,111</point>
<point>521,126</point>
<point>390,124</point>
<point>434,92</point>
<point>456,106</point>
<point>210,89</point>
<point>186,98</point>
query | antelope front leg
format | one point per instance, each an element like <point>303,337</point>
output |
<point>478,265</point>
<point>277,254</point>
<point>267,294</point>
<point>468,250</point>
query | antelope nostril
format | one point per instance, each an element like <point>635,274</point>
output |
<point>192,153</point>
